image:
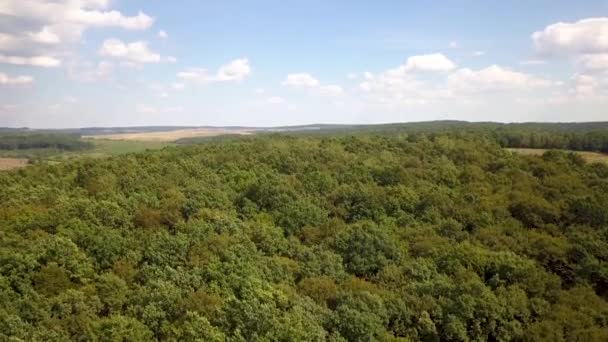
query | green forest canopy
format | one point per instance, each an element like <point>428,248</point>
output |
<point>390,237</point>
<point>35,140</point>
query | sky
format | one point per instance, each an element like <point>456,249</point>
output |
<point>83,63</point>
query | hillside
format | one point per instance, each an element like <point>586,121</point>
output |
<point>391,237</point>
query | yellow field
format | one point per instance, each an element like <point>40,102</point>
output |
<point>591,157</point>
<point>12,163</point>
<point>169,135</point>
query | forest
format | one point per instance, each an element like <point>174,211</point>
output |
<point>394,236</point>
<point>42,140</point>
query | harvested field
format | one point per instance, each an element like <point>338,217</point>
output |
<point>170,135</point>
<point>12,163</point>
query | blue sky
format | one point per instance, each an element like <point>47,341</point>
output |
<point>75,63</point>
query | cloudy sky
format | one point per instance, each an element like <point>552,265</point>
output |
<point>75,63</point>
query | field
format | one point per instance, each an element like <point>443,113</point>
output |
<point>168,136</point>
<point>101,148</point>
<point>117,147</point>
<point>591,157</point>
<point>12,163</point>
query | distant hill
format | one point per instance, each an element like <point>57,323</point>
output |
<point>422,125</point>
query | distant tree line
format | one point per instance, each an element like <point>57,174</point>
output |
<point>26,141</point>
<point>595,141</point>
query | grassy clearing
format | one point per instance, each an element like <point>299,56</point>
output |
<point>12,163</point>
<point>591,157</point>
<point>116,147</point>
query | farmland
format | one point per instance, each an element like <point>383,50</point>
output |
<point>169,135</point>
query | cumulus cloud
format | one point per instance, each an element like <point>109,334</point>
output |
<point>581,37</point>
<point>594,62</point>
<point>81,12</point>
<point>584,86</point>
<point>44,28</point>
<point>298,80</point>
<point>491,79</point>
<point>16,80</point>
<point>234,71</point>
<point>90,72</point>
<point>195,75</point>
<point>40,61</point>
<point>70,99</point>
<point>135,52</point>
<point>145,109</point>
<point>305,80</point>
<point>434,62</point>
<point>403,85</point>
<point>408,85</point>
<point>162,34</point>
<point>533,62</point>
<point>275,100</point>
<point>8,107</point>
<point>178,86</point>
<point>331,90</point>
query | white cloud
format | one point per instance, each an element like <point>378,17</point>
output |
<point>299,80</point>
<point>581,37</point>
<point>45,36</point>
<point>8,107</point>
<point>478,53</point>
<point>533,62</point>
<point>41,61</point>
<point>174,109</point>
<point>17,80</point>
<point>89,72</point>
<point>307,81</point>
<point>399,87</point>
<point>81,12</point>
<point>136,52</point>
<point>453,44</point>
<point>145,109</point>
<point>70,99</point>
<point>195,75</point>
<point>395,86</point>
<point>402,85</point>
<point>46,28</point>
<point>352,76</point>
<point>234,71</point>
<point>276,100</point>
<point>434,62</point>
<point>491,79</point>
<point>594,62</point>
<point>178,86</point>
<point>331,90</point>
<point>162,34</point>
<point>589,86</point>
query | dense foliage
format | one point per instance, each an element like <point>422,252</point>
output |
<point>26,141</point>
<point>392,237</point>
